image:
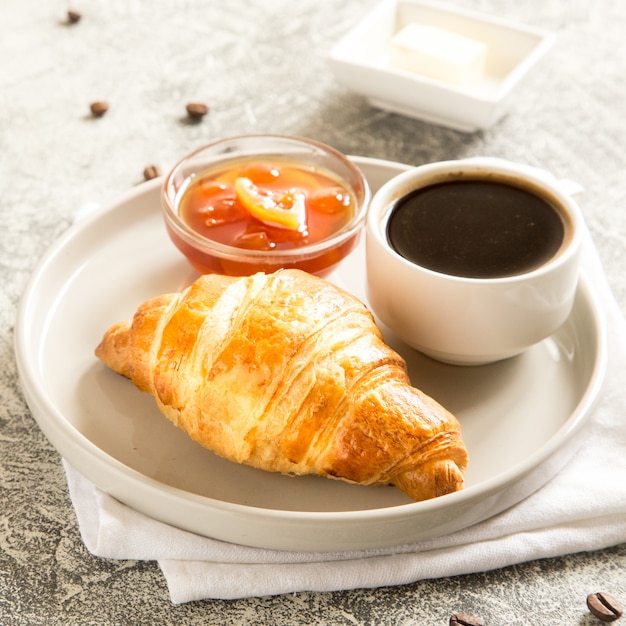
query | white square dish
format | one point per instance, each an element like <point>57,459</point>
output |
<point>361,61</point>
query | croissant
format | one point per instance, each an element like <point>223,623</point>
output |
<point>288,373</point>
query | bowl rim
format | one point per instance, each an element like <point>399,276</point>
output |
<point>225,251</point>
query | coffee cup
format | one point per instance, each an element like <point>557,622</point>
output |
<point>472,261</point>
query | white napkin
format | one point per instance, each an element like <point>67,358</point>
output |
<point>582,508</point>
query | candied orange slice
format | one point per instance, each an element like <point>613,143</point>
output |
<point>282,210</point>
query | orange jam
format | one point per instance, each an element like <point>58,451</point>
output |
<point>266,206</point>
<point>213,208</point>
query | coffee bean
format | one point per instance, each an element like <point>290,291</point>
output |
<point>98,109</point>
<point>605,607</point>
<point>197,110</point>
<point>73,17</point>
<point>462,619</point>
<point>152,171</point>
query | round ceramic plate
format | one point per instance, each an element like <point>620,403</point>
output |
<point>521,418</point>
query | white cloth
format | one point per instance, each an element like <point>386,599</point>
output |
<point>582,508</point>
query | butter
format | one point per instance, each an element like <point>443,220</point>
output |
<point>438,53</point>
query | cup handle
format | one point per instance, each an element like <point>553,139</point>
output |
<point>565,185</point>
<point>570,187</point>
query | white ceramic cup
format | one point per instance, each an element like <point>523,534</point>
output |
<point>471,321</point>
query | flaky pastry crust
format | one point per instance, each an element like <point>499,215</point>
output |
<point>288,373</point>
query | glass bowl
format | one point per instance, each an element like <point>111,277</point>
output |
<point>232,158</point>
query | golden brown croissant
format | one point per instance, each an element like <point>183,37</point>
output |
<point>288,373</point>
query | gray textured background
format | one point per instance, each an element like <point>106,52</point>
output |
<point>260,65</point>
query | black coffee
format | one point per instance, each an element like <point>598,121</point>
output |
<point>476,228</point>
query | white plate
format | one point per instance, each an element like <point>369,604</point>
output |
<point>361,62</point>
<point>519,417</point>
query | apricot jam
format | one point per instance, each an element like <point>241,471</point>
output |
<point>270,210</point>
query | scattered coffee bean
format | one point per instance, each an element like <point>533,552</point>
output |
<point>98,109</point>
<point>152,171</point>
<point>605,607</point>
<point>462,619</point>
<point>197,110</point>
<point>73,17</point>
